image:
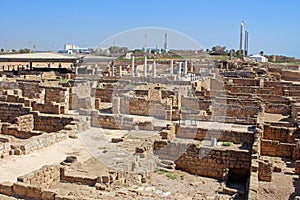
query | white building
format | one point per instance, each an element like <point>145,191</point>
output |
<point>71,47</point>
<point>258,58</point>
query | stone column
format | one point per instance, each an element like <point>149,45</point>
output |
<point>179,71</point>
<point>154,69</point>
<point>120,71</point>
<point>185,68</point>
<point>132,66</point>
<point>171,68</point>
<point>145,66</point>
<point>192,67</point>
<point>113,69</point>
<point>261,83</point>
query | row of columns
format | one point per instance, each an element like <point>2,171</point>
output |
<point>145,66</point>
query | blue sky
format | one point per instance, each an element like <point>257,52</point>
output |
<point>49,24</point>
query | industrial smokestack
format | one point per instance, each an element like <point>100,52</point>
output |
<point>166,42</point>
<point>242,38</point>
<point>246,43</point>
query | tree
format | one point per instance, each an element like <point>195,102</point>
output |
<point>232,52</point>
<point>261,53</point>
<point>13,50</point>
<point>218,50</point>
<point>2,50</point>
<point>24,51</point>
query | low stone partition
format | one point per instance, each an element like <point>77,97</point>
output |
<point>104,94</point>
<point>37,142</point>
<point>110,121</point>
<point>277,107</point>
<point>50,108</point>
<point>50,123</point>
<point>279,133</point>
<point>104,121</point>
<point>9,111</point>
<point>222,135</point>
<point>31,89</point>
<point>13,130</point>
<point>204,161</point>
<point>141,106</point>
<point>277,149</point>
<point>5,146</point>
<point>44,177</point>
<point>34,185</point>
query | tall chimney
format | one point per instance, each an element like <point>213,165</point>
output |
<point>242,38</point>
<point>166,42</point>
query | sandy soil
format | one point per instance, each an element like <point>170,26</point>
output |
<point>15,166</point>
<point>284,185</point>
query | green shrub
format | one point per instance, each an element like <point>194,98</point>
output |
<point>171,176</point>
<point>227,144</point>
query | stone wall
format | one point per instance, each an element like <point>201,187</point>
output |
<point>276,148</point>
<point>80,96</point>
<point>13,130</point>
<point>57,94</point>
<point>104,94</point>
<point>277,107</point>
<point>50,123</point>
<point>25,122</point>
<point>9,111</point>
<point>222,135</point>
<point>110,121</point>
<point>5,146</point>
<point>34,185</point>
<point>141,106</point>
<point>202,161</point>
<point>44,177</point>
<point>31,89</point>
<point>105,121</point>
<point>37,142</point>
<point>281,134</point>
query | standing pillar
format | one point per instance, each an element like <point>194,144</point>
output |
<point>185,68</point>
<point>171,68</point>
<point>145,66</point>
<point>192,67</point>
<point>132,66</point>
<point>30,65</point>
<point>179,71</point>
<point>120,71</point>
<point>154,69</point>
<point>112,68</point>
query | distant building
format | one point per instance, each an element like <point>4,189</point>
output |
<point>71,47</point>
<point>258,58</point>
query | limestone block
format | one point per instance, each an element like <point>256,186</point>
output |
<point>6,188</point>
<point>297,167</point>
<point>265,171</point>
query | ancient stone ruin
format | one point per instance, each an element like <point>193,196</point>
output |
<point>229,125</point>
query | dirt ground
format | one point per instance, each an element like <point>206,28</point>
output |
<point>284,185</point>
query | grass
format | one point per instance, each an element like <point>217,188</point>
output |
<point>159,171</point>
<point>128,87</point>
<point>227,144</point>
<point>171,176</point>
<point>183,108</point>
<point>168,174</point>
<point>64,80</point>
